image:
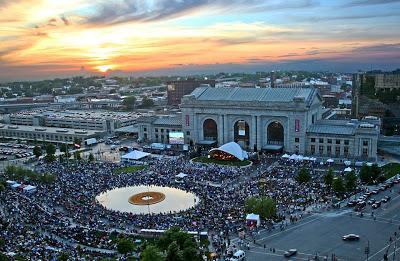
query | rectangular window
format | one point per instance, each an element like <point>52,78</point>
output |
<point>365,143</point>
<point>329,150</point>
<point>188,133</point>
<point>365,152</point>
<point>162,130</point>
<point>144,129</point>
<point>330,141</point>
<point>296,140</point>
<point>338,142</point>
<point>346,151</point>
<point>312,139</point>
<point>312,149</point>
<point>156,130</point>
<point>337,151</point>
<point>321,140</point>
<point>346,142</point>
<point>321,150</point>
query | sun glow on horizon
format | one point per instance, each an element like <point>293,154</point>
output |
<point>104,68</point>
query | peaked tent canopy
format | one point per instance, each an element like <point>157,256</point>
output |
<point>229,150</point>
<point>135,155</point>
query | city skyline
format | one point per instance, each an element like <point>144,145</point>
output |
<point>45,38</point>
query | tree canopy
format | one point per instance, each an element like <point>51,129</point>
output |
<point>263,206</point>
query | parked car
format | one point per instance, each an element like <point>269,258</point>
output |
<point>386,199</point>
<point>290,252</point>
<point>351,237</point>
<point>371,201</point>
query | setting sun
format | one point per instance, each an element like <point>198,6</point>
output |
<point>104,68</point>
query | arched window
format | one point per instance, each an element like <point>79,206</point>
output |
<point>275,133</point>
<point>210,131</point>
<point>242,132</point>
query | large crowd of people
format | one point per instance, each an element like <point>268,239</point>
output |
<point>65,215</point>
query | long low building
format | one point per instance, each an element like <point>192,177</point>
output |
<point>46,134</point>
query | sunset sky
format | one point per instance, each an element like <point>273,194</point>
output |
<point>49,38</point>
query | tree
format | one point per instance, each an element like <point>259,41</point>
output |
<point>351,181</point>
<point>151,253</point>
<point>328,178</point>
<point>77,155</point>
<point>37,151</point>
<point>125,246</point>
<point>91,157</point>
<point>63,257</point>
<point>129,102</point>
<point>375,172</point>
<point>50,151</point>
<point>174,253</point>
<point>338,186</point>
<point>147,102</point>
<point>263,206</point>
<point>365,174</point>
<point>304,176</point>
<point>77,141</point>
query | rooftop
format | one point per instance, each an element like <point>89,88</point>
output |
<point>339,127</point>
<point>49,130</point>
<point>253,94</point>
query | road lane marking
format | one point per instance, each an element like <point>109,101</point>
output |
<point>288,229</point>
<point>272,254</point>
<point>383,248</point>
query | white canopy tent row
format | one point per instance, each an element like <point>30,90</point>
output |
<point>330,161</point>
<point>348,169</point>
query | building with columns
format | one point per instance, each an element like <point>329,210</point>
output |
<point>275,119</point>
<point>257,119</point>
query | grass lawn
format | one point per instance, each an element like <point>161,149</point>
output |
<point>391,169</point>
<point>129,169</point>
<point>236,163</point>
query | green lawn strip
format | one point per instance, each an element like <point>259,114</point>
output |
<point>236,163</point>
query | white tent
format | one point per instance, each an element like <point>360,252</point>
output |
<point>285,156</point>
<point>134,155</point>
<point>293,157</point>
<point>15,186</point>
<point>348,169</point>
<point>330,160</point>
<point>233,149</point>
<point>307,158</point>
<point>300,158</point>
<point>181,175</point>
<point>313,159</point>
<point>29,189</point>
<point>369,164</point>
<point>253,218</point>
<point>347,163</point>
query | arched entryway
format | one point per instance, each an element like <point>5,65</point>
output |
<point>242,133</point>
<point>275,133</point>
<point>210,130</point>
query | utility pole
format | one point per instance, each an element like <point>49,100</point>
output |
<point>367,250</point>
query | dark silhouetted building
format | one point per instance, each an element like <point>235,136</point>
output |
<point>177,89</point>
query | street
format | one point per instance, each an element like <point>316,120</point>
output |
<point>321,234</point>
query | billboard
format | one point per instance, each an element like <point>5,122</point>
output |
<point>176,138</point>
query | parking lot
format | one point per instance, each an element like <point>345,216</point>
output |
<point>320,234</point>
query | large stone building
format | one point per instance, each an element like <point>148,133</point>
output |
<point>273,119</point>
